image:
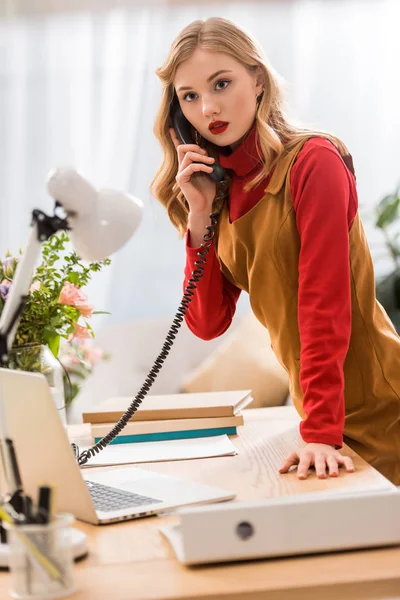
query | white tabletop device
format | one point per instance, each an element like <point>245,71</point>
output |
<point>292,525</point>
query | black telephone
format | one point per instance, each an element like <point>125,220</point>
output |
<point>183,130</point>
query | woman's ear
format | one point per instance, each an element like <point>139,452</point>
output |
<point>260,79</point>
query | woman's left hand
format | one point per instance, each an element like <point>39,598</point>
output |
<point>321,456</point>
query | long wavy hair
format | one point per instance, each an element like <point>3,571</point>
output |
<point>276,135</point>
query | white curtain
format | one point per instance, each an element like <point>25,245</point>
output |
<point>79,88</point>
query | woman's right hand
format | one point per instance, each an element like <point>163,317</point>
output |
<point>193,159</point>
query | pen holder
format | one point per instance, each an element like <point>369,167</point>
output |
<point>41,559</point>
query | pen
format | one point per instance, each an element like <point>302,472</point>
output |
<point>13,478</point>
<point>12,474</point>
<point>16,482</point>
<point>6,460</point>
<point>27,509</point>
<point>45,501</point>
<point>18,501</point>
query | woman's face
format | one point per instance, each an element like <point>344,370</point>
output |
<point>213,87</point>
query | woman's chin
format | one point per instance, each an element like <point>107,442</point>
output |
<point>225,139</point>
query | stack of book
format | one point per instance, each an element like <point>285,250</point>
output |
<point>171,417</point>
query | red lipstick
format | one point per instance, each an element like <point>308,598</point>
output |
<point>217,127</point>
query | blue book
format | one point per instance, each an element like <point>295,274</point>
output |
<point>170,435</point>
<point>169,429</point>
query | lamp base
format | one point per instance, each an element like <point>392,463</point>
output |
<point>78,541</point>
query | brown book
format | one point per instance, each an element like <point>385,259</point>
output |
<point>172,406</point>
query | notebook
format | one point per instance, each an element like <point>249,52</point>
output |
<point>172,406</point>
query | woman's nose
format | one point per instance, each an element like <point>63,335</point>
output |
<point>210,108</point>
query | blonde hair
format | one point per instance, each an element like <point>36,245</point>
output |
<point>276,134</point>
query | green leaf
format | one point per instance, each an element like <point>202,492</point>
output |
<point>388,210</point>
<point>53,341</point>
<point>56,321</point>
<point>73,277</point>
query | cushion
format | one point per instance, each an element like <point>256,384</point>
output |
<point>244,360</point>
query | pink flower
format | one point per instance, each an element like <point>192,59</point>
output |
<point>69,294</point>
<point>73,296</point>
<point>85,309</point>
<point>70,360</point>
<point>93,354</point>
<point>80,333</point>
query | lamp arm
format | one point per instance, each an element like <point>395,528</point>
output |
<point>43,227</point>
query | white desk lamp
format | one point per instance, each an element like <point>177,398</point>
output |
<point>100,222</point>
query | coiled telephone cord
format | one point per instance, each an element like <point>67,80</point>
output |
<point>82,458</point>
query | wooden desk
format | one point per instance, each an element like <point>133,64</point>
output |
<point>131,561</point>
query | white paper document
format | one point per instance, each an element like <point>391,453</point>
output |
<point>141,452</point>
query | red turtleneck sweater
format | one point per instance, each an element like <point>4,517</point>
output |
<point>325,202</point>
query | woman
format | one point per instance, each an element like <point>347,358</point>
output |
<point>290,235</point>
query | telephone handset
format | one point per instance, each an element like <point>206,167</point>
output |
<point>183,130</point>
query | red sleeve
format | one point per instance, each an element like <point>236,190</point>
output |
<point>325,202</point>
<point>214,301</point>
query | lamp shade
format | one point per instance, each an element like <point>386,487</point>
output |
<point>101,221</point>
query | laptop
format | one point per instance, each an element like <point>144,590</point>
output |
<point>106,495</point>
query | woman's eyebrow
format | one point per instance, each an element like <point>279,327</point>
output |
<point>209,79</point>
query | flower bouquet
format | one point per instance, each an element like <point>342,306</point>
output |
<point>55,307</point>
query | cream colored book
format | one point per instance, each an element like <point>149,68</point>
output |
<point>169,425</point>
<point>172,406</point>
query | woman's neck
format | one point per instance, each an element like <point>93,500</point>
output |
<point>245,157</point>
<point>229,149</point>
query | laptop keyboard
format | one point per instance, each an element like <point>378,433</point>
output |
<point>107,499</point>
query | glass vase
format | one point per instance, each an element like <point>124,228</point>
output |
<point>39,358</point>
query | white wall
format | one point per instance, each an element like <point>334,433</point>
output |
<point>80,89</point>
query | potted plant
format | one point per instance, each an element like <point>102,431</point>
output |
<point>388,287</point>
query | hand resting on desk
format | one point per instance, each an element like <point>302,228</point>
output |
<point>320,456</point>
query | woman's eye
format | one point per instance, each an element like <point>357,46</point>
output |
<point>187,96</point>
<point>221,84</point>
<point>224,84</point>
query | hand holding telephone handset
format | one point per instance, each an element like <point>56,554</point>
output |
<point>183,130</point>
<point>197,173</point>
<point>202,198</point>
